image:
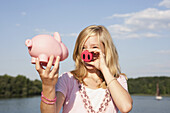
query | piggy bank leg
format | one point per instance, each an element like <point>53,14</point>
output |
<point>33,60</point>
<point>43,59</point>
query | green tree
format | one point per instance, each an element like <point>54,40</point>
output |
<point>147,85</point>
<point>19,86</point>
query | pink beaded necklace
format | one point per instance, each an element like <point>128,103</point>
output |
<point>87,103</point>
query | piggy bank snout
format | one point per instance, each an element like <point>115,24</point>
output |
<point>87,56</point>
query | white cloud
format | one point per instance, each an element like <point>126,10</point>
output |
<point>71,35</point>
<point>119,16</point>
<point>17,25</point>
<point>164,52</point>
<point>44,31</point>
<point>165,3</point>
<point>122,32</point>
<point>23,13</point>
<point>163,66</point>
<point>151,18</point>
<point>119,28</point>
<point>148,23</point>
<point>151,35</point>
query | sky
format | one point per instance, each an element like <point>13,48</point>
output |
<point>140,30</point>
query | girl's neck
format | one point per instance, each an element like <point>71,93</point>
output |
<point>93,79</point>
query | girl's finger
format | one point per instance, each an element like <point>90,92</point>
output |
<point>97,53</point>
<point>38,66</point>
<point>49,65</point>
<point>100,52</point>
<point>56,67</point>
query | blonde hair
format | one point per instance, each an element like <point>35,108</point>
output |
<point>111,54</point>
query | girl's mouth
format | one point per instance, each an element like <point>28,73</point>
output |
<point>89,65</point>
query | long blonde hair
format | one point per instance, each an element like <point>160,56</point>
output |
<point>111,54</point>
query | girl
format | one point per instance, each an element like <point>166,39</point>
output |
<point>97,86</point>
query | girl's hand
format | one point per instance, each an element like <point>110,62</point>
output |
<point>99,59</point>
<point>48,76</point>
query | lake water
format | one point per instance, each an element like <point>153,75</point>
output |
<point>142,104</point>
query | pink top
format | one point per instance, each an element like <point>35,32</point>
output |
<point>73,103</point>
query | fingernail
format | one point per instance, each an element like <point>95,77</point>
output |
<point>52,56</point>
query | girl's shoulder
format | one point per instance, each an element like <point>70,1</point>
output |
<point>66,83</point>
<point>122,79</point>
<point>67,77</point>
<point>122,76</point>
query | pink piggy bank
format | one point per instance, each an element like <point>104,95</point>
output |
<point>43,46</point>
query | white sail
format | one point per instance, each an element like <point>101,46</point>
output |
<point>158,97</point>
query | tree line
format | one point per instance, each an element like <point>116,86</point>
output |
<point>147,85</point>
<point>20,86</point>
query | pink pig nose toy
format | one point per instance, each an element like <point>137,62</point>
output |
<point>43,46</point>
<point>87,56</point>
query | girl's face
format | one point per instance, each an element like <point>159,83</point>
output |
<point>91,44</point>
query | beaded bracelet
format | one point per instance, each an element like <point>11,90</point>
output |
<point>111,81</point>
<point>51,100</point>
<point>49,103</point>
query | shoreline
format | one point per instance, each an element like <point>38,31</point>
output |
<point>40,95</point>
<point>148,95</point>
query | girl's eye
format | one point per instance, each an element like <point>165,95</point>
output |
<point>83,48</point>
<point>95,47</point>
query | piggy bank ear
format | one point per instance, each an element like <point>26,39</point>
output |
<point>64,52</point>
<point>28,43</point>
<point>57,36</point>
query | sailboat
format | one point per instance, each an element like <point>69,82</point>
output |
<point>158,97</point>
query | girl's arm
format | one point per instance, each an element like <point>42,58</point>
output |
<point>121,97</point>
<point>56,107</point>
<point>60,101</point>
<point>49,79</point>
